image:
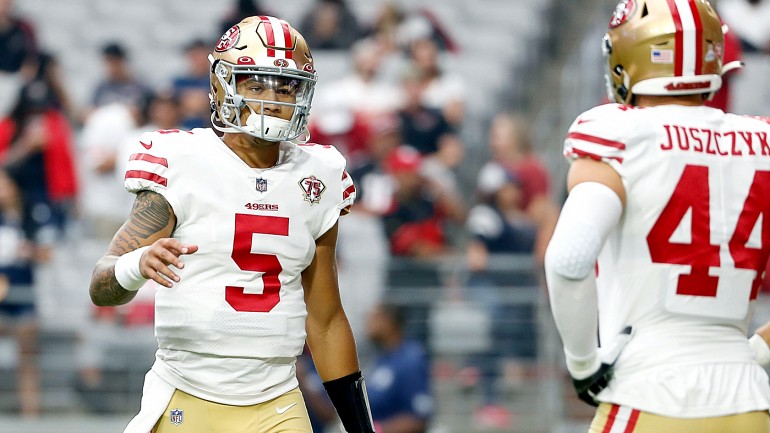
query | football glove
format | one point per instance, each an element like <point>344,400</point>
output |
<point>588,388</point>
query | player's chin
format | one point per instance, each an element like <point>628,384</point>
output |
<point>259,142</point>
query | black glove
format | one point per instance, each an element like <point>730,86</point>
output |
<point>588,388</point>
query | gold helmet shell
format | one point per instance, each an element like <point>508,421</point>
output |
<point>663,47</point>
<point>270,49</point>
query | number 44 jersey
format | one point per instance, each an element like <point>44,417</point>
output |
<point>685,262</point>
<point>230,329</point>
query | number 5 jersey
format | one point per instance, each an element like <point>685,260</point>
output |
<point>684,264</point>
<point>230,329</point>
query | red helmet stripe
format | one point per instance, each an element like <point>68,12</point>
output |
<point>287,38</point>
<point>698,38</point>
<point>678,39</point>
<point>688,37</point>
<point>269,33</point>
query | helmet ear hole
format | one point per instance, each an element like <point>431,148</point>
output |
<point>645,11</point>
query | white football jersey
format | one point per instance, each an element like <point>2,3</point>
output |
<point>230,329</point>
<point>684,264</point>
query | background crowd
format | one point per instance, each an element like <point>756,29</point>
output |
<point>457,196</point>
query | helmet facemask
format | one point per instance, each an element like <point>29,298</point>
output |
<point>262,69</point>
<point>245,111</point>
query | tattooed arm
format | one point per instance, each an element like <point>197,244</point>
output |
<point>151,223</point>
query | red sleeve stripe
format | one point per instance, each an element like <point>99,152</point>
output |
<point>344,175</point>
<point>597,140</point>
<point>149,158</point>
<point>593,156</point>
<point>350,190</point>
<point>611,418</point>
<point>141,174</point>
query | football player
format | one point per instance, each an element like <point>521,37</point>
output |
<point>240,232</point>
<point>662,240</point>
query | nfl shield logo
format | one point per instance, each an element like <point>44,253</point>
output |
<point>177,416</point>
<point>261,185</point>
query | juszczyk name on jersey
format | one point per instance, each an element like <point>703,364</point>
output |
<point>702,140</point>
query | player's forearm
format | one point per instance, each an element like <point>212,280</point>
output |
<point>333,348</point>
<point>105,289</point>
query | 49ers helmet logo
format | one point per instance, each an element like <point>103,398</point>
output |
<point>623,11</point>
<point>229,39</point>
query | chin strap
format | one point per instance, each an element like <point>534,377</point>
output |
<point>303,138</point>
<point>735,64</point>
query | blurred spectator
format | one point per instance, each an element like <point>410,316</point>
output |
<point>440,89</point>
<point>749,19</point>
<point>36,148</point>
<point>362,271</point>
<point>345,107</point>
<point>373,182</point>
<point>399,378</point>
<point>385,26</point>
<point>105,201</point>
<point>17,39</point>
<point>422,127</point>
<point>19,252</point>
<point>17,46</point>
<point>511,149</point>
<point>192,88</point>
<point>417,220</point>
<point>119,84</point>
<point>330,25</point>
<point>500,226</point>
<point>397,28</point>
<point>242,9</point>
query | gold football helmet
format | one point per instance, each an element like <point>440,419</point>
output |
<point>663,47</point>
<point>277,59</point>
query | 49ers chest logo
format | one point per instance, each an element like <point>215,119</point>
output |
<point>312,188</point>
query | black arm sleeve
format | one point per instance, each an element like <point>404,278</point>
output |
<point>348,395</point>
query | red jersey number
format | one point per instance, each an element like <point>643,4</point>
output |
<point>692,193</point>
<point>245,227</point>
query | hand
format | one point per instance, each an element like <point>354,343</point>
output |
<point>155,261</point>
<point>588,388</point>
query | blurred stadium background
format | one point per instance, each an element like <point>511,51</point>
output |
<point>540,58</point>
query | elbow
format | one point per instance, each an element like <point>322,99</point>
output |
<point>572,259</point>
<point>96,297</point>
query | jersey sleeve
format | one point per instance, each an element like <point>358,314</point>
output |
<point>348,193</point>
<point>599,134</point>
<point>153,166</point>
<point>342,191</point>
